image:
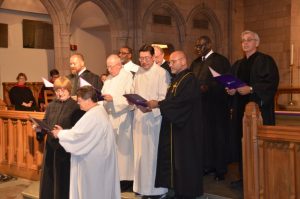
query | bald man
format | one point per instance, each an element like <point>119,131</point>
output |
<point>118,83</point>
<point>77,65</point>
<point>179,160</point>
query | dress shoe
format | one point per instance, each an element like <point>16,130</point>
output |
<point>208,171</point>
<point>238,184</point>
<point>219,177</point>
<point>163,196</point>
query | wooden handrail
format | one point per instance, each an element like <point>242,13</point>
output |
<point>20,152</point>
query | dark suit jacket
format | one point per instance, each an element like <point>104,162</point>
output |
<point>91,78</point>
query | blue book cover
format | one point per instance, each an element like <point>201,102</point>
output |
<point>136,99</point>
<point>227,80</point>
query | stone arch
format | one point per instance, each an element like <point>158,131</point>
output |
<point>114,15</point>
<point>59,17</point>
<point>213,20</point>
<point>171,8</point>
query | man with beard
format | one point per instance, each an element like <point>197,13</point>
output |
<point>125,54</point>
<point>214,107</point>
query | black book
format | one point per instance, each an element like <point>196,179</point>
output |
<point>40,124</point>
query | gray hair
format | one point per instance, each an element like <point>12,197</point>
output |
<point>256,37</point>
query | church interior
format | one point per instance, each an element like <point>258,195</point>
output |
<point>37,36</point>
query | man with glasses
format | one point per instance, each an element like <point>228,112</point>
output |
<point>179,160</point>
<point>125,54</point>
<point>215,109</point>
<point>260,73</point>
<point>151,82</point>
<point>118,83</point>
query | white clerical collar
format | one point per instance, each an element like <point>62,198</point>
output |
<point>82,70</point>
<point>209,53</point>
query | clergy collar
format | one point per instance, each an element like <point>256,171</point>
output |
<point>209,53</point>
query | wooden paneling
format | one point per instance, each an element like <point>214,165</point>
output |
<point>20,152</point>
<point>271,157</point>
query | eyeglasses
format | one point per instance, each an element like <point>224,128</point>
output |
<point>59,90</point>
<point>247,40</point>
<point>175,60</point>
<point>111,66</point>
<point>123,53</point>
<point>145,58</point>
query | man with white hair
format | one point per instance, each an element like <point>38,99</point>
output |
<point>260,73</point>
<point>118,83</point>
<point>159,58</point>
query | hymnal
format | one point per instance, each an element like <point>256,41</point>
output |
<point>227,80</point>
<point>83,82</point>
<point>40,124</point>
<point>136,99</point>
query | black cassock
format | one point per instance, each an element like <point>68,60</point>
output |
<point>259,71</point>
<point>215,111</point>
<point>179,159</point>
<point>18,95</point>
<point>55,177</point>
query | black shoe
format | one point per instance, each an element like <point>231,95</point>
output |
<point>238,184</point>
<point>126,186</point>
<point>208,171</point>
<point>219,177</point>
<point>163,196</point>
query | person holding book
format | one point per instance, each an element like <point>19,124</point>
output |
<point>63,111</point>
<point>118,83</point>
<point>215,108</point>
<point>91,142</point>
<point>151,82</point>
<point>179,160</point>
<point>260,73</point>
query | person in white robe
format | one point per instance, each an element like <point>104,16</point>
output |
<point>91,142</point>
<point>151,81</point>
<point>118,83</point>
<point>125,54</point>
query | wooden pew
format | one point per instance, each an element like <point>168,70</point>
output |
<point>20,152</point>
<point>271,158</point>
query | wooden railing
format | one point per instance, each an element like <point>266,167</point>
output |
<point>20,152</point>
<point>271,158</point>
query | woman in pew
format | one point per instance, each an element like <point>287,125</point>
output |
<point>21,96</point>
<point>63,111</point>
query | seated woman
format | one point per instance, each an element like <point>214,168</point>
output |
<point>21,96</point>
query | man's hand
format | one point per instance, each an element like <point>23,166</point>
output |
<point>245,90</point>
<point>230,91</point>
<point>107,97</point>
<point>56,130</point>
<point>152,104</point>
<point>144,109</point>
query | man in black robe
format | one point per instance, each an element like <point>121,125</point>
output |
<point>215,109</point>
<point>179,159</point>
<point>159,55</point>
<point>77,64</point>
<point>260,73</point>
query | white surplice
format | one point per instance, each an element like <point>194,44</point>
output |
<point>94,169</point>
<point>151,84</point>
<point>120,115</point>
<point>131,67</point>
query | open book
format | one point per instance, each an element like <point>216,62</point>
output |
<point>83,82</point>
<point>40,124</point>
<point>136,99</point>
<point>227,80</point>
